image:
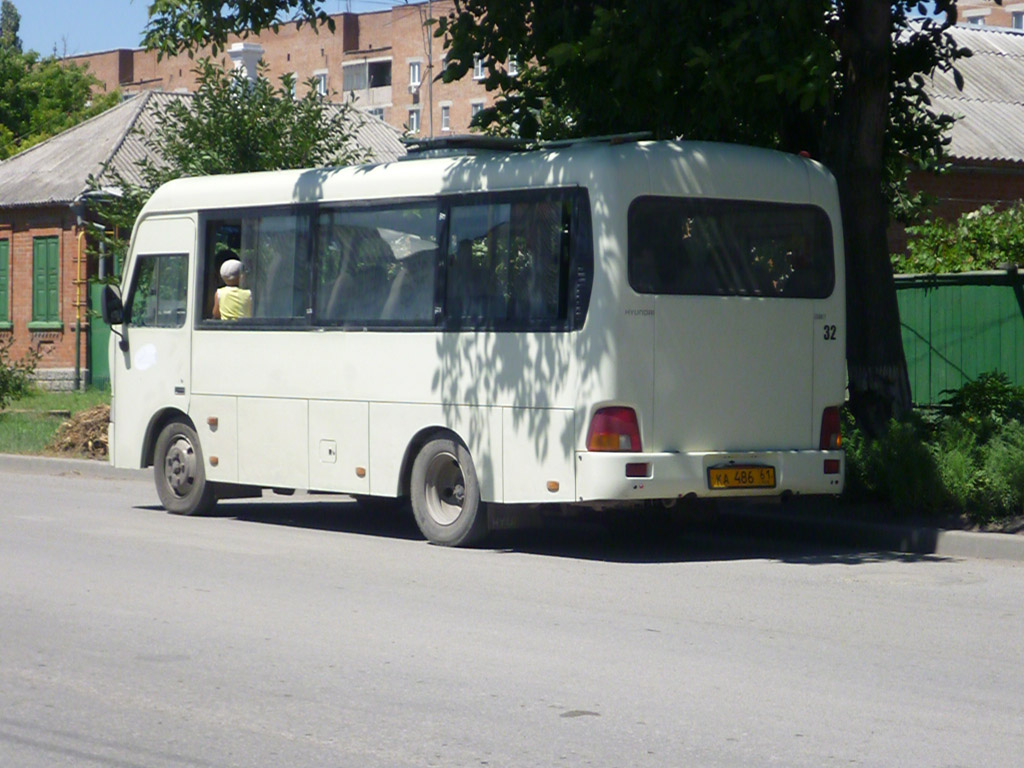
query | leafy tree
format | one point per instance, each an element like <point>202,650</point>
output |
<point>230,125</point>
<point>39,98</point>
<point>842,79</point>
<point>10,23</point>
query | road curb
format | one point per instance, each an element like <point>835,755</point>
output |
<point>823,524</point>
<point>47,465</point>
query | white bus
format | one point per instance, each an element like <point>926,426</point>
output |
<point>591,322</point>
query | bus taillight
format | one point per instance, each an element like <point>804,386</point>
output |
<point>614,429</point>
<point>831,437</point>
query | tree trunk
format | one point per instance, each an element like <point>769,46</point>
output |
<point>876,366</point>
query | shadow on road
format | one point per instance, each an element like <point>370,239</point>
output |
<point>732,533</point>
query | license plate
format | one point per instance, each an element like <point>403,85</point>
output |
<point>723,478</point>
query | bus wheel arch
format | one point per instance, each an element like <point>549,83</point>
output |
<point>445,491</point>
<point>156,425</point>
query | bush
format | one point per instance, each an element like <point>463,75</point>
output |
<point>982,239</point>
<point>967,459</point>
<point>1002,489</point>
<point>15,377</point>
<point>899,468</point>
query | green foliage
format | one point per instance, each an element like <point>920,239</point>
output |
<point>10,24</point>
<point>39,98</point>
<point>982,239</point>
<point>15,375</point>
<point>230,125</point>
<point>187,25</point>
<point>968,459</point>
<point>1002,491</point>
<point>990,398</point>
<point>898,468</point>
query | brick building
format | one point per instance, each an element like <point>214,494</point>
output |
<point>386,59</point>
<point>987,13</point>
<point>44,268</point>
<point>987,141</point>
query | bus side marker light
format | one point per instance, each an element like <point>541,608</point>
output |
<point>212,423</point>
<point>360,471</point>
<point>614,429</point>
<point>831,466</point>
<point>553,486</point>
<point>214,461</point>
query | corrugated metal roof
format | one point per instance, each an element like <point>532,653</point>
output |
<point>56,171</point>
<point>990,108</point>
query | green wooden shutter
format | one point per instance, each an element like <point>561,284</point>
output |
<point>5,251</point>
<point>53,281</point>
<point>45,279</point>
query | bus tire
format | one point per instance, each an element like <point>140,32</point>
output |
<point>446,495</point>
<point>179,472</point>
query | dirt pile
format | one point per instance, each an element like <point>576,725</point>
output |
<point>84,434</point>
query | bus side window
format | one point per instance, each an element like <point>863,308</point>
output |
<point>376,266</point>
<point>159,292</point>
<point>509,261</point>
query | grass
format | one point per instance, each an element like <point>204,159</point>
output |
<point>28,425</point>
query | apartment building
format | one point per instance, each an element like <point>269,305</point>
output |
<point>387,60</point>
<point>988,13</point>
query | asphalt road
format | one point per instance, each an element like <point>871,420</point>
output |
<point>287,633</point>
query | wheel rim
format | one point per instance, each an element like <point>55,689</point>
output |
<point>180,466</point>
<point>446,489</point>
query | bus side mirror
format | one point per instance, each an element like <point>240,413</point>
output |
<point>112,309</point>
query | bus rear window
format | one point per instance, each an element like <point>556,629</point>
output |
<point>686,246</point>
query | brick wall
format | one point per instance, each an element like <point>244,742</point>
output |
<point>995,15</point>
<point>397,34</point>
<point>965,188</point>
<point>20,227</point>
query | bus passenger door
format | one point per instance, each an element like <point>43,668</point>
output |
<point>150,369</point>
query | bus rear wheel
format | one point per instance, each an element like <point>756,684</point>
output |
<point>446,496</point>
<point>179,472</point>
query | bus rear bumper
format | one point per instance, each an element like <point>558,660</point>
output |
<point>638,476</point>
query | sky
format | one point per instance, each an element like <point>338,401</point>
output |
<point>70,27</point>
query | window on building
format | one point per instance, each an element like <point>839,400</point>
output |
<point>320,79</point>
<point>354,76</point>
<point>446,124</point>
<point>379,73</point>
<point>513,66</point>
<point>414,74</point>
<point>976,21</point>
<point>46,280</point>
<point>478,68</point>
<point>1017,19</point>
<point>414,121</point>
<point>376,112</point>
<point>475,107</point>
<point>5,280</point>
<point>293,83</point>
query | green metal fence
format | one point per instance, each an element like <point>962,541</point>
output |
<point>956,327</point>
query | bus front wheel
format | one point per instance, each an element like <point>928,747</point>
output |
<point>179,473</point>
<point>445,494</point>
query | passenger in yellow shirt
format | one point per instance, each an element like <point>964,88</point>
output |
<point>231,302</point>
